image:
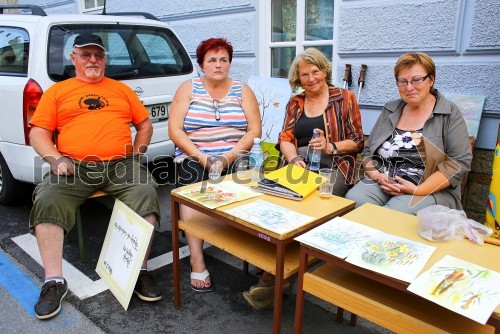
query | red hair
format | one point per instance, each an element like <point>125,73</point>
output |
<point>211,44</point>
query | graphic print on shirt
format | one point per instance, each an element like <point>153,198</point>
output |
<point>401,157</point>
<point>93,102</point>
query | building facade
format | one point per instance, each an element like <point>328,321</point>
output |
<point>462,36</point>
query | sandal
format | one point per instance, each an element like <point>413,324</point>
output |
<point>202,277</point>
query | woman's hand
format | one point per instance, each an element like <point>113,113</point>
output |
<point>290,153</point>
<point>405,186</point>
<point>387,183</point>
<point>395,186</point>
<point>319,143</point>
<point>205,160</point>
<point>298,161</point>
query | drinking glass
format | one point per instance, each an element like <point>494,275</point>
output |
<point>241,164</point>
<point>216,169</point>
<point>326,187</point>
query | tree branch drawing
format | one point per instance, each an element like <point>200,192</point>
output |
<point>265,101</point>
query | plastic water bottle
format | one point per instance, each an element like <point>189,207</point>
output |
<point>314,155</point>
<point>256,160</point>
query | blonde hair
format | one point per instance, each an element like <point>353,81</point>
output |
<point>311,56</point>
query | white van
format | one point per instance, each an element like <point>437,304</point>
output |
<point>143,53</point>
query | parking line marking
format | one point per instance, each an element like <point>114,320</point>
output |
<point>80,284</point>
<point>21,287</point>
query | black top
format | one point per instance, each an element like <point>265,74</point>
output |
<point>305,126</point>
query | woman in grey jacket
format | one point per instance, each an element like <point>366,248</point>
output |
<point>419,148</point>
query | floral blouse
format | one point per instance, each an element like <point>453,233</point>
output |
<point>400,156</point>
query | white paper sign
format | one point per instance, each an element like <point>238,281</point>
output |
<point>123,252</point>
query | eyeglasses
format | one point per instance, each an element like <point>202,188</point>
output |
<point>87,55</point>
<point>216,107</point>
<point>414,82</point>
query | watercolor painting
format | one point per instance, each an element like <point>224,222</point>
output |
<point>272,96</point>
<point>460,286</point>
<point>392,256</point>
<point>214,195</point>
<point>270,216</point>
<point>338,236</point>
<point>472,110</point>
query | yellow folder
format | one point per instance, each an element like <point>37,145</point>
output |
<point>296,178</point>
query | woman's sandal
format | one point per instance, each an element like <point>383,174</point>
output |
<point>202,277</point>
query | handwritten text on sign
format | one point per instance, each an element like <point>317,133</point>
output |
<point>123,251</point>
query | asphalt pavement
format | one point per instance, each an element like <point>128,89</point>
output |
<point>91,308</point>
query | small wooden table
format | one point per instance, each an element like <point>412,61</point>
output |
<point>275,253</point>
<point>385,300</point>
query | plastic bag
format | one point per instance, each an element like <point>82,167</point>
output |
<point>439,223</point>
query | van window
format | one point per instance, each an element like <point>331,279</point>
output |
<point>14,51</point>
<point>132,52</point>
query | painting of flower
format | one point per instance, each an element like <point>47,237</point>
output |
<point>215,195</point>
<point>392,256</point>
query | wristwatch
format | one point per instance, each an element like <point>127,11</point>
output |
<point>334,148</point>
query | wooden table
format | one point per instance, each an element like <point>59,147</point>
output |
<point>385,300</point>
<point>275,253</point>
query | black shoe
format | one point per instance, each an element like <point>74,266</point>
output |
<point>49,303</point>
<point>146,289</point>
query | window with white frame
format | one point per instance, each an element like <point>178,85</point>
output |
<point>294,26</point>
<point>91,5</point>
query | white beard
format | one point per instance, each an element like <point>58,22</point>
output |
<point>92,72</point>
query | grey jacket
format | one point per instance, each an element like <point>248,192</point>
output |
<point>446,145</point>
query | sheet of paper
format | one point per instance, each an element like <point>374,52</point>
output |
<point>272,96</point>
<point>215,195</point>
<point>392,256</point>
<point>338,236</point>
<point>123,251</point>
<point>270,216</point>
<point>461,287</point>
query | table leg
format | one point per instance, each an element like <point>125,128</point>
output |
<point>175,253</point>
<point>354,319</point>
<point>278,287</point>
<point>245,267</point>
<point>299,307</point>
<point>340,314</point>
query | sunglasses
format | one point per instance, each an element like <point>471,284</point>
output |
<point>88,55</point>
<point>216,107</point>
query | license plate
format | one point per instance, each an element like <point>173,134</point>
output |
<point>158,112</point>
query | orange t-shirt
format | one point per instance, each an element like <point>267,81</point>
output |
<point>92,120</point>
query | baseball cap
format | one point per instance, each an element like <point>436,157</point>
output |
<point>88,39</point>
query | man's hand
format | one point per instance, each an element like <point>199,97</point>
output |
<point>62,166</point>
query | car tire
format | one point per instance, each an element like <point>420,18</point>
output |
<point>10,188</point>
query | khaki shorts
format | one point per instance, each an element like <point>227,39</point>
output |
<point>56,198</point>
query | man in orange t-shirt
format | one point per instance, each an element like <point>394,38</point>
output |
<point>91,115</point>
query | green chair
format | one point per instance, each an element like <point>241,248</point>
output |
<point>98,193</point>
